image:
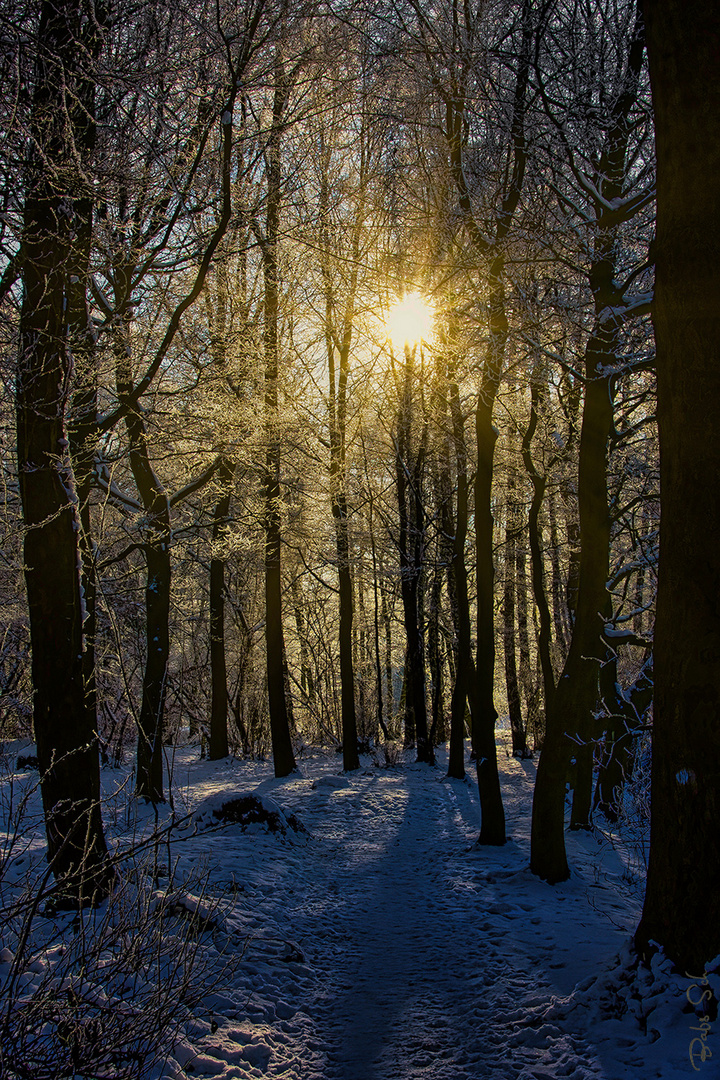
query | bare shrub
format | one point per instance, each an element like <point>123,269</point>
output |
<point>101,992</point>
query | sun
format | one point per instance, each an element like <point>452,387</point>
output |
<point>409,320</point>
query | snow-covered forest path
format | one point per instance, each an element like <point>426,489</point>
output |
<point>393,939</point>
<point>402,933</point>
<point>386,945</point>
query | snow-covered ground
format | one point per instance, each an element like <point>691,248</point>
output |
<point>370,938</point>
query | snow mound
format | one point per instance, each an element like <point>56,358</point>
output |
<point>651,1012</point>
<point>246,809</point>
<point>330,783</point>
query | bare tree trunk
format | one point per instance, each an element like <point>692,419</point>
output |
<point>379,708</point>
<point>556,585</point>
<point>387,625</point>
<point>572,705</point>
<point>459,590</point>
<point>492,830</point>
<point>63,713</point>
<point>410,465</point>
<point>517,726</point>
<point>571,724</point>
<point>682,902</point>
<point>218,669</point>
<point>534,536</point>
<point>283,756</point>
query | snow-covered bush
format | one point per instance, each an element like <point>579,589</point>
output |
<point>246,809</point>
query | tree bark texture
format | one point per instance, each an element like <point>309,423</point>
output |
<point>63,713</point>
<point>682,902</point>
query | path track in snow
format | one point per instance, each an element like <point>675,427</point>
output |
<point>413,981</point>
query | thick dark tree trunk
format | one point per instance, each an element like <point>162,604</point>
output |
<point>63,714</point>
<point>682,903</point>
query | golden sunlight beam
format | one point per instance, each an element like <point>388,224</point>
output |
<point>409,321</point>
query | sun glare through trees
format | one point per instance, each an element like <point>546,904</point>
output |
<point>410,321</point>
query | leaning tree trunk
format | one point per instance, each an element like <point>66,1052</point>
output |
<point>571,715</point>
<point>682,903</point>
<point>572,704</point>
<point>63,716</point>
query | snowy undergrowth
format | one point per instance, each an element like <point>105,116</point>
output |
<point>349,928</point>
